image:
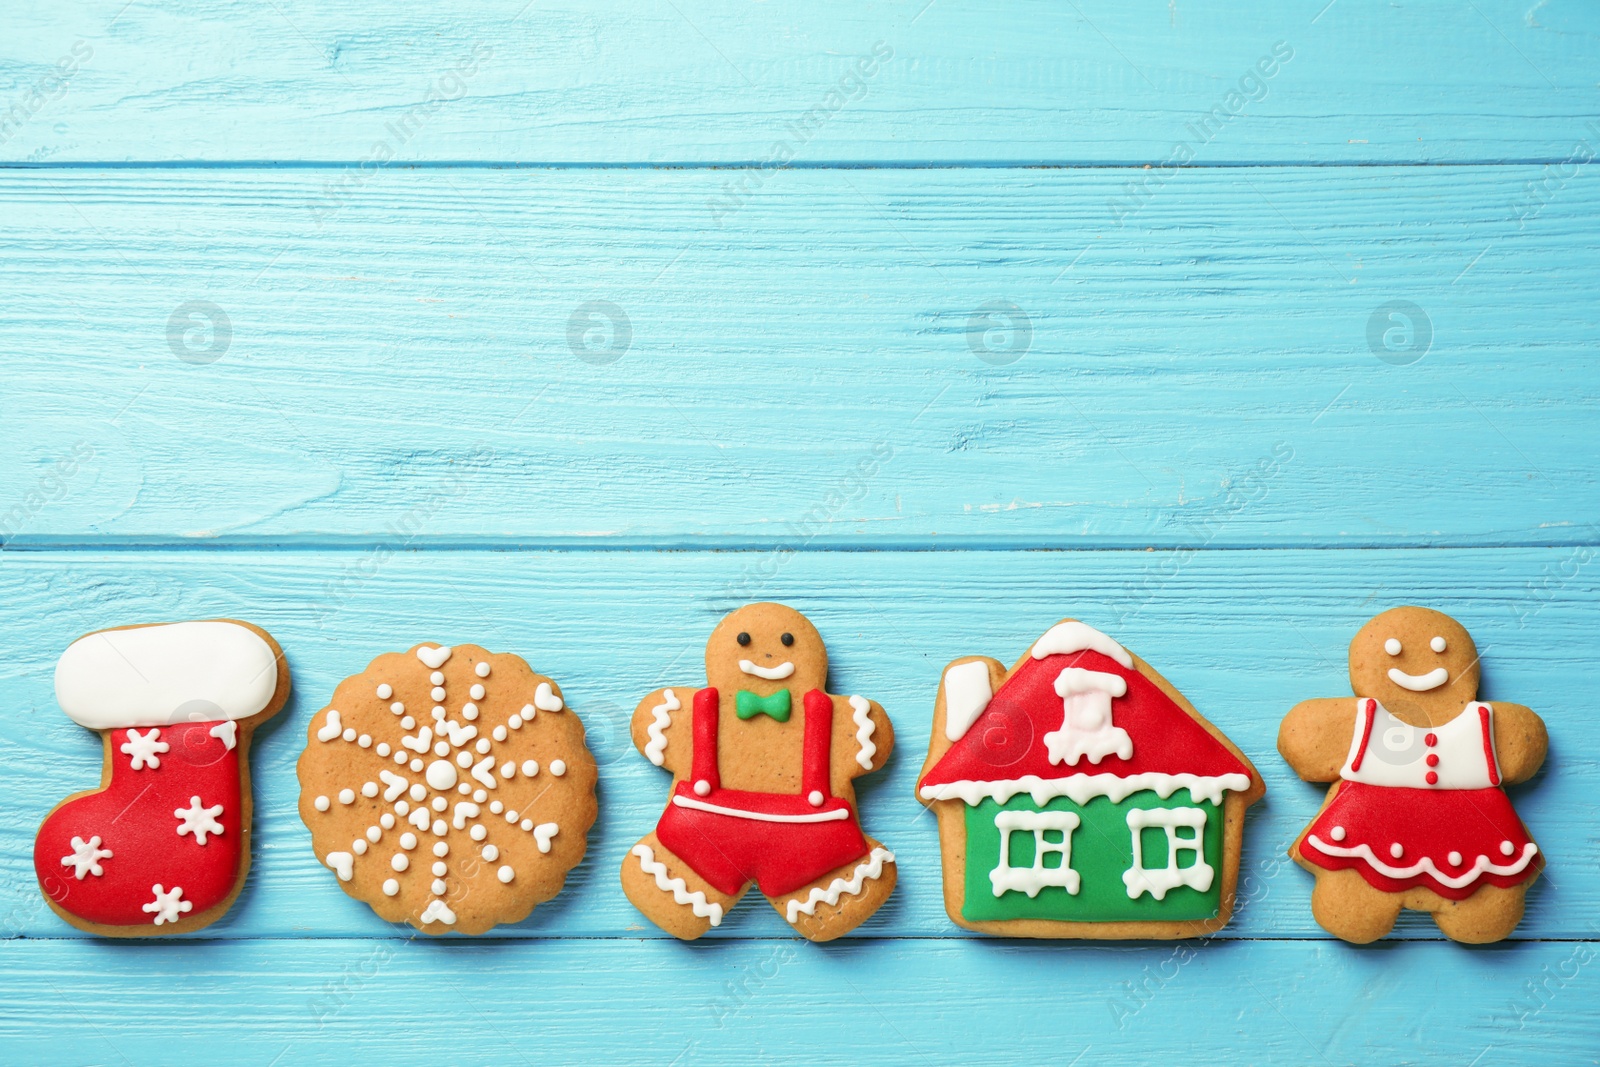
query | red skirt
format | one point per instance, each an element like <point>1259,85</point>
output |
<point>1446,840</point>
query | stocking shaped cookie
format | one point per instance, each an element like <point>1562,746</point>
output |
<point>448,787</point>
<point>163,846</point>
<point>762,762</point>
<point>1417,817</point>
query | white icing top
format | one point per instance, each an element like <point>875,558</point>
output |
<point>1069,637</point>
<point>1389,752</point>
<point>160,675</point>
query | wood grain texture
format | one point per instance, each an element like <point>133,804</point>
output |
<point>724,81</point>
<point>401,367</point>
<point>656,1002</point>
<point>1244,635</point>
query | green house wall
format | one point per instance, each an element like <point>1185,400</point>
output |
<point>1102,849</point>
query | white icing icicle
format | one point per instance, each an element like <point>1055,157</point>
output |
<point>1084,787</point>
<point>862,717</point>
<point>677,886</point>
<point>871,868</point>
<point>656,750</point>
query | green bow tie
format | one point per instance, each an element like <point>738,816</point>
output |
<point>748,705</point>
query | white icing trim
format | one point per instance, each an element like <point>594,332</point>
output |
<point>1084,787</point>
<point>967,693</point>
<point>142,749</point>
<point>771,674</point>
<point>676,886</point>
<point>199,820</point>
<point>168,905</point>
<point>656,750</point>
<point>1030,880</point>
<point>545,699</point>
<point>543,833</point>
<point>756,816</point>
<point>437,910</point>
<point>228,732</point>
<point>434,658</point>
<point>342,864</point>
<point>862,717</point>
<point>86,857</point>
<point>1479,866</point>
<point>872,868</point>
<point>333,728</point>
<point>167,674</point>
<point>1157,881</point>
<point>1419,683</point>
<point>1067,637</point>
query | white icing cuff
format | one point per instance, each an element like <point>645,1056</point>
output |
<point>166,674</point>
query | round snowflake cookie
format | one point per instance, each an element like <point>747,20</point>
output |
<point>448,787</point>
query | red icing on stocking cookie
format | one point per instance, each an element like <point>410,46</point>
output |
<point>163,845</point>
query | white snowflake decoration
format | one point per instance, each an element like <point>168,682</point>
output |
<point>86,857</point>
<point>452,773</point>
<point>168,904</point>
<point>143,749</point>
<point>198,820</point>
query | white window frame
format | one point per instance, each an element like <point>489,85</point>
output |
<point>1030,880</point>
<point>1157,881</point>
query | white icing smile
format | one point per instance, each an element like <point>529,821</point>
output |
<point>1419,683</point>
<point>771,674</point>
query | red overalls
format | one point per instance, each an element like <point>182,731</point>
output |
<point>781,841</point>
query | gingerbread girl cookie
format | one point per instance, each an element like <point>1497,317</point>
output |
<point>448,787</point>
<point>1417,817</point>
<point>762,762</point>
<point>163,845</point>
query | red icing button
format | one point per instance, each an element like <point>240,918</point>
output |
<point>1433,760</point>
<point>1431,740</point>
<point>1432,778</point>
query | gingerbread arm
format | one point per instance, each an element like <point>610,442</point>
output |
<point>663,727</point>
<point>862,734</point>
<point>1315,736</point>
<point>1520,742</point>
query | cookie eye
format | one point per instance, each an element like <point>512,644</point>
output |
<point>1392,647</point>
<point>788,639</point>
<point>743,639</point>
<point>1437,644</point>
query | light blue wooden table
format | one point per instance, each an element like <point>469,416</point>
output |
<point>565,327</point>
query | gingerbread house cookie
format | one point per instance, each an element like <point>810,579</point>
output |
<point>1080,795</point>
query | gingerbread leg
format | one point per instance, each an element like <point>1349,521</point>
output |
<point>842,899</point>
<point>670,893</point>
<point>1490,914</point>
<point>1348,908</point>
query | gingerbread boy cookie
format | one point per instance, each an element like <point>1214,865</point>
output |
<point>762,761</point>
<point>1417,817</point>
<point>163,845</point>
<point>448,787</point>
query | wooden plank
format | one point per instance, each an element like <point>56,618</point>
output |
<point>425,359</point>
<point>956,81</point>
<point>784,1002</point>
<point>1244,634</point>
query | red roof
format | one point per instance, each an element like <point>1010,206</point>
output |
<point>1007,740</point>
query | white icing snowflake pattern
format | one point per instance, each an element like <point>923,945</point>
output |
<point>168,905</point>
<point>453,772</point>
<point>142,749</point>
<point>198,820</point>
<point>86,857</point>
